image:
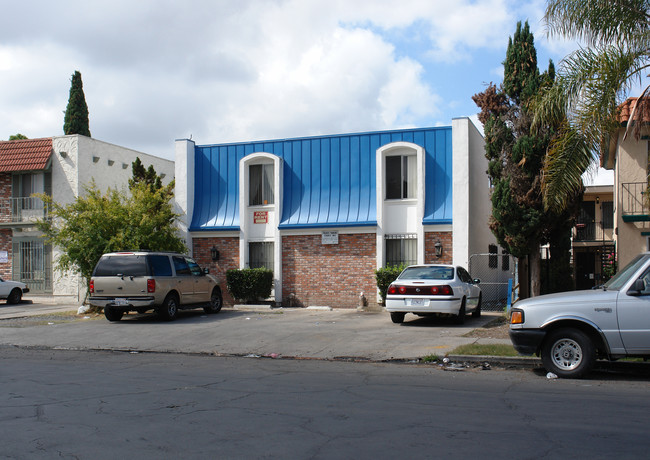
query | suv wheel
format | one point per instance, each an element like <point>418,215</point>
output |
<point>112,314</point>
<point>568,353</point>
<point>216,302</point>
<point>169,308</point>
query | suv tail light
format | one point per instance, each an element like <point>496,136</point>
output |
<point>151,286</point>
<point>91,288</point>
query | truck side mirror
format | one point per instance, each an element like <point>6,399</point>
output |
<point>637,287</point>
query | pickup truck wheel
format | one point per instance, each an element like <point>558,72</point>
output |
<point>460,317</point>
<point>14,296</point>
<point>112,314</point>
<point>477,311</point>
<point>568,353</point>
<point>169,308</point>
<point>397,317</point>
<point>216,302</point>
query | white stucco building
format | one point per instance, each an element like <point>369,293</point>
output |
<point>60,166</point>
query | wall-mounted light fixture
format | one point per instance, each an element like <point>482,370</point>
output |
<point>214,253</point>
<point>63,154</point>
<point>111,162</point>
<point>597,199</point>
<point>438,247</point>
<point>124,166</point>
<point>162,175</point>
<point>95,159</point>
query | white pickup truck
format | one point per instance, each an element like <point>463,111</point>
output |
<point>570,330</point>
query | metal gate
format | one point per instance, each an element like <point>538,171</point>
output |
<point>494,271</point>
<point>32,265</point>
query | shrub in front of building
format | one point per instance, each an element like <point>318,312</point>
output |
<point>249,284</point>
<point>385,276</point>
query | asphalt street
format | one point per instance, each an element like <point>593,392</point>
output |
<point>105,405</point>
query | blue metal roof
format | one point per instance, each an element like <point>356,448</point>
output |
<point>329,181</point>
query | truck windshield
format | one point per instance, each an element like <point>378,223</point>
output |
<point>623,276</point>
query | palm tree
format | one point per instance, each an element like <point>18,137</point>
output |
<point>591,84</point>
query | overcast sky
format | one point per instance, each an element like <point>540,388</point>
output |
<point>239,70</point>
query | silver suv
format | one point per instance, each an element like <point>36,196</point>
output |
<point>162,281</point>
<point>571,330</point>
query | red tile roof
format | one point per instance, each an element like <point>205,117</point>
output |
<point>25,154</point>
<point>642,113</point>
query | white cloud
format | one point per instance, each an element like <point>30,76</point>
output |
<point>223,71</point>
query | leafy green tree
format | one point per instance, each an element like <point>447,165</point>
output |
<point>515,157</point>
<point>97,223</point>
<point>76,113</point>
<point>17,137</point>
<point>591,84</point>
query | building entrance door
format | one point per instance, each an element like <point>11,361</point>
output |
<point>585,270</point>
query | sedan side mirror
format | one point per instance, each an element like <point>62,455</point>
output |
<point>637,287</point>
<point>206,271</point>
<point>476,281</point>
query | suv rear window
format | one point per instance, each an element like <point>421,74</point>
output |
<point>130,265</point>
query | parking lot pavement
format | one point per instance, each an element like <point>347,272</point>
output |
<point>33,307</point>
<point>299,333</point>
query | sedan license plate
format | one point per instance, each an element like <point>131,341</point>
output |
<point>417,302</point>
<point>120,301</point>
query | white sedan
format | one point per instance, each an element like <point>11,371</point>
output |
<point>12,290</point>
<point>434,289</point>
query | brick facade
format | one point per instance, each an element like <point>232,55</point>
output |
<point>316,274</point>
<point>5,245</point>
<point>430,239</point>
<point>329,274</point>
<point>228,259</point>
<point>5,216</point>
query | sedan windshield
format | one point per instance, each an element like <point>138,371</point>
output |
<point>428,273</point>
<point>623,276</point>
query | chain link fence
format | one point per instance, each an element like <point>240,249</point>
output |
<point>494,271</point>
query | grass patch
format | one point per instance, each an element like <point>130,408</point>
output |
<point>479,349</point>
<point>431,359</point>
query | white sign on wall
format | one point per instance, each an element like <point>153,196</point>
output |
<point>330,237</point>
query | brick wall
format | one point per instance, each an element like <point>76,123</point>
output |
<point>329,274</point>
<point>5,185</point>
<point>228,259</point>
<point>430,239</point>
<point>5,245</point>
<point>5,216</point>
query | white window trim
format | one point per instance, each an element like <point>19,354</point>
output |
<point>382,153</point>
<point>244,233</point>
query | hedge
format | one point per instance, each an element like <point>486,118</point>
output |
<point>385,276</point>
<point>249,284</point>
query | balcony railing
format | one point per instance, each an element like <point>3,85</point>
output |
<point>634,207</point>
<point>19,210</point>
<point>592,231</point>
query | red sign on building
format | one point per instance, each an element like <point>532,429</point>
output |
<point>260,217</point>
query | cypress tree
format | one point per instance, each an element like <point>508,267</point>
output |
<point>76,114</point>
<point>516,158</point>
